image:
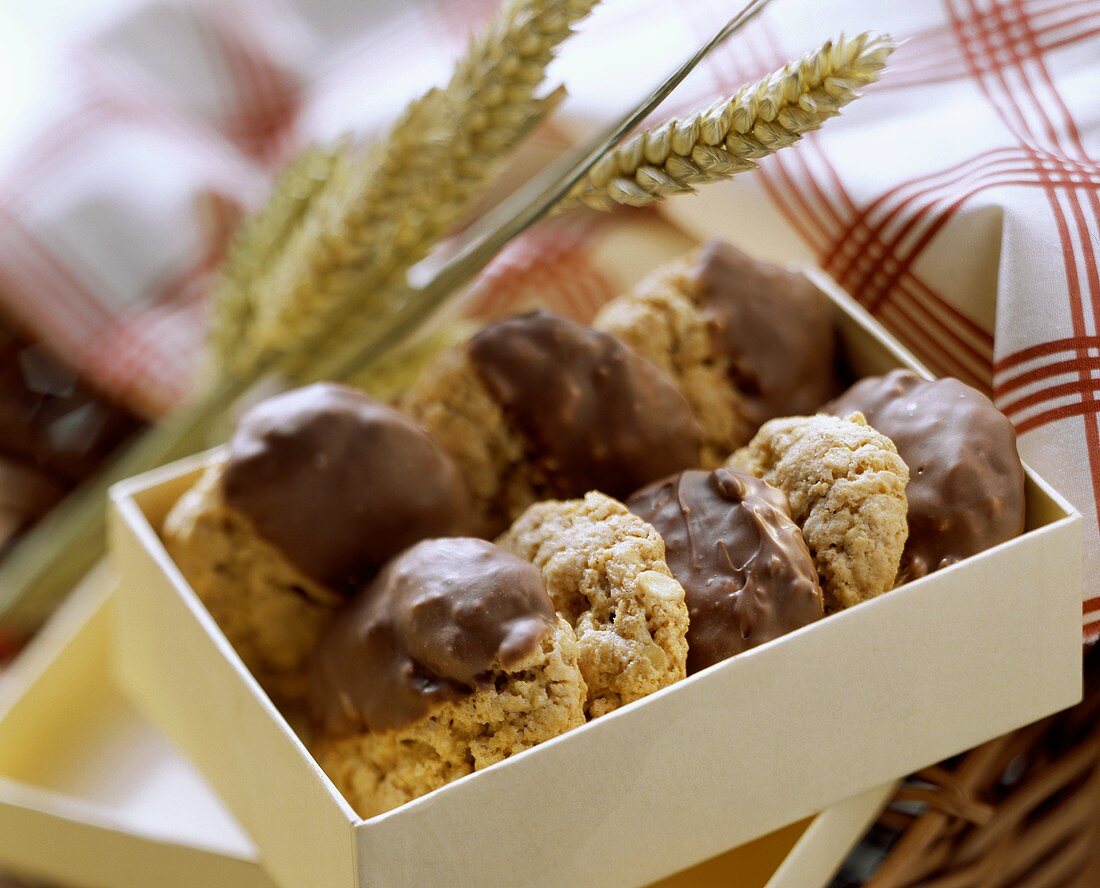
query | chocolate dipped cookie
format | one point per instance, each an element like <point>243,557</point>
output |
<point>537,407</point>
<point>316,490</point>
<point>744,341</point>
<point>451,659</point>
<point>731,542</point>
<point>966,486</point>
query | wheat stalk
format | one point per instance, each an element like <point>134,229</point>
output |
<point>383,211</point>
<point>257,241</point>
<point>731,135</point>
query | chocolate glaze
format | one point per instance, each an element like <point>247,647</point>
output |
<point>731,542</point>
<point>340,483</point>
<point>595,415</point>
<point>432,627</point>
<point>772,325</point>
<point>966,483</point>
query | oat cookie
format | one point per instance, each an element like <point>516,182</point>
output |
<point>316,490</point>
<point>537,407</point>
<point>846,486</point>
<point>269,610</point>
<point>451,660</point>
<point>966,491</point>
<point>450,400</point>
<point>744,340</point>
<point>606,573</point>
<point>663,325</point>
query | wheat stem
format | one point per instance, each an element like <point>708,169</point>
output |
<point>383,211</point>
<point>731,135</point>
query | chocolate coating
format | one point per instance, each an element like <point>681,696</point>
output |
<point>339,483</point>
<point>966,483</point>
<point>746,570</point>
<point>773,326</point>
<point>596,416</point>
<point>431,628</point>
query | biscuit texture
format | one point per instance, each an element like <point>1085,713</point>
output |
<point>538,407</point>
<point>606,573</point>
<point>747,572</point>
<point>452,403</point>
<point>272,613</point>
<point>966,491</point>
<point>846,486</point>
<point>661,322</point>
<point>536,699</point>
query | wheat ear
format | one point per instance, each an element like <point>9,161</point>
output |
<point>385,210</point>
<point>731,135</point>
<point>258,240</point>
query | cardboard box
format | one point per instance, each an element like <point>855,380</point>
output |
<point>827,840</point>
<point>91,794</point>
<point>762,740</point>
<point>804,855</point>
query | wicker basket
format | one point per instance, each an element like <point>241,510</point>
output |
<point>1022,810</point>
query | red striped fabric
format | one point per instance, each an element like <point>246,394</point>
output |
<point>959,201</point>
<point>551,268</point>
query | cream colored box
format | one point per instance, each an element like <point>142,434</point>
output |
<point>735,752</point>
<point>91,794</point>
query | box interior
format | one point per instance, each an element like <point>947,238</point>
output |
<point>750,866</point>
<point>79,764</point>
